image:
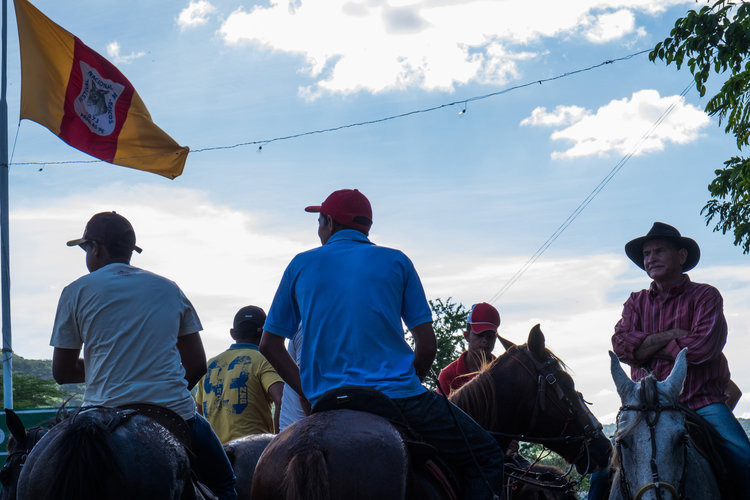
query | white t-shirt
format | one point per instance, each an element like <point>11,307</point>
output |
<point>127,320</point>
<point>291,409</point>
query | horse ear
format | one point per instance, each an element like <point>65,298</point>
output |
<point>673,383</point>
<point>507,344</point>
<point>536,342</point>
<point>622,382</point>
<point>15,426</point>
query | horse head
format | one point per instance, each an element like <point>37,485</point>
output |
<point>651,442</point>
<point>20,444</point>
<point>527,394</point>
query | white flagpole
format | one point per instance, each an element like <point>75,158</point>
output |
<point>4,221</point>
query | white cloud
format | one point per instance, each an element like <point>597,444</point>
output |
<point>608,27</point>
<point>224,258</point>
<point>220,257</point>
<point>195,14</point>
<point>354,45</point>
<point>619,126</point>
<point>562,115</point>
<point>113,52</point>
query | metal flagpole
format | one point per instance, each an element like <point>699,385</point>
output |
<point>4,221</point>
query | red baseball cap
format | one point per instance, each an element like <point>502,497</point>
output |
<point>483,317</point>
<point>348,207</point>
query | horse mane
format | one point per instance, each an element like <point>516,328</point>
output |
<point>474,396</point>
<point>86,462</point>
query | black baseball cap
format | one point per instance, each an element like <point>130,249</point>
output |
<point>111,230</point>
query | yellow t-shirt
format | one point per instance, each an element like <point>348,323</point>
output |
<point>234,392</point>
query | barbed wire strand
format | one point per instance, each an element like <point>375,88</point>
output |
<point>586,201</point>
<point>262,142</point>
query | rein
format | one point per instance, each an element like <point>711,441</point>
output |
<point>652,418</point>
<point>544,373</point>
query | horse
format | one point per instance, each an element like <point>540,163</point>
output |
<point>20,443</point>
<point>654,456</point>
<point>354,454</point>
<point>97,453</point>
<point>243,454</point>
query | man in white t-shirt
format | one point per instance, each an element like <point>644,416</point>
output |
<point>139,335</point>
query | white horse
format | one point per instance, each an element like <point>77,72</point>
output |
<point>654,458</point>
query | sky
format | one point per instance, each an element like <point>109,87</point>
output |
<point>470,191</point>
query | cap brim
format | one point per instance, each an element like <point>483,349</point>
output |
<point>483,327</point>
<point>313,208</point>
<point>81,241</point>
<point>75,243</point>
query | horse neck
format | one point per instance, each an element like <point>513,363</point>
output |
<point>497,398</point>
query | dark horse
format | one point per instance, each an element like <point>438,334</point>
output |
<point>99,453</point>
<point>524,394</point>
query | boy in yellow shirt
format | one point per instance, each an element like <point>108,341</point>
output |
<point>236,393</point>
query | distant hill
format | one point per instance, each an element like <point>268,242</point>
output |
<point>42,368</point>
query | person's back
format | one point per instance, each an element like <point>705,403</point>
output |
<point>236,393</point>
<point>141,339</point>
<point>351,297</point>
<point>333,281</point>
<point>129,339</point>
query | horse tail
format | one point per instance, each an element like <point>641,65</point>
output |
<point>306,476</point>
<point>86,462</point>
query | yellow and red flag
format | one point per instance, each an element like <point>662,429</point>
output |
<point>86,101</point>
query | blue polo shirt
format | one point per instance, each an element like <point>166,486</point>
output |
<point>351,297</point>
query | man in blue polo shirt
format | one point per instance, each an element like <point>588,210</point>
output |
<point>351,296</point>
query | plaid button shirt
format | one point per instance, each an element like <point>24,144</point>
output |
<point>695,307</point>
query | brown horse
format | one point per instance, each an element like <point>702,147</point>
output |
<point>524,394</point>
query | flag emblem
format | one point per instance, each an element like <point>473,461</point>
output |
<point>95,105</point>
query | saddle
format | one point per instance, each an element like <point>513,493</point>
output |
<point>704,438</point>
<point>422,455</point>
<point>177,426</point>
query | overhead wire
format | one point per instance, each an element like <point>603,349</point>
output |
<point>588,199</point>
<point>262,142</point>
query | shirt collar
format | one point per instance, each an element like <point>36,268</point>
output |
<point>243,345</point>
<point>348,234</point>
<point>672,292</point>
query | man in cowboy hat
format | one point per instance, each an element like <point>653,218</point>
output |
<point>352,296</point>
<point>675,313</point>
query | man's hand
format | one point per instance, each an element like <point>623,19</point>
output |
<point>653,345</point>
<point>193,357</point>
<point>67,367</point>
<point>272,347</point>
<point>425,348</point>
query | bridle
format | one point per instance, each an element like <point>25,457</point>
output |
<point>653,412</point>
<point>547,380</point>
<point>17,458</point>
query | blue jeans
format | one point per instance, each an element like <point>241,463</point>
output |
<point>599,485</point>
<point>736,447</point>
<point>437,421</point>
<point>210,463</point>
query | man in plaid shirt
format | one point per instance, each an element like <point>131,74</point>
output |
<point>674,313</point>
